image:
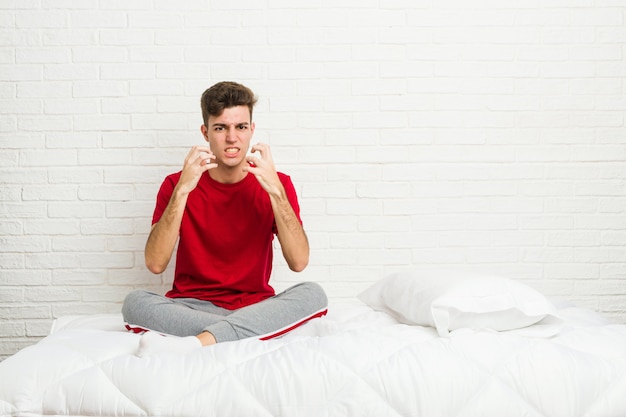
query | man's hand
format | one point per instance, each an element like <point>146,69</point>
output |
<point>197,162</point>
<point>264,170</point>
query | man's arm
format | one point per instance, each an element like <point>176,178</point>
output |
<point>293,240</point>
<point>164,233</point>
<point>291,235</point>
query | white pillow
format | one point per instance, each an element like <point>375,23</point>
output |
<point>449,300</point>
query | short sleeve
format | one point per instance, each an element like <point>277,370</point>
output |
<point>163,197</point>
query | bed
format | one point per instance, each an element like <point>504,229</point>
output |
<point>409,345</point>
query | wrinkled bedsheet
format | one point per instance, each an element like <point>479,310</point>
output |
<point>353,362</point>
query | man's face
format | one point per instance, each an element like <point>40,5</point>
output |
<point>229,136</point>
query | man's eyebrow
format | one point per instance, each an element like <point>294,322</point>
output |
<point>233,124</point>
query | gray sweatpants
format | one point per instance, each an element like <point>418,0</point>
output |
<point>190,316</point>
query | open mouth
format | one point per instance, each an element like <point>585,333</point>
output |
<point>231,151</point>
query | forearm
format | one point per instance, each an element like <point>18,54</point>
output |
<point>164,234</point>
<point>291,235</point>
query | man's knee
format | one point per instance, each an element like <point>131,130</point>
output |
<point>315,294</point>
<point>132,304</point>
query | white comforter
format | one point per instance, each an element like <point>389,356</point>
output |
<point>354,362</point>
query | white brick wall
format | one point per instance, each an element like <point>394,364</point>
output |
<point>480,134</point>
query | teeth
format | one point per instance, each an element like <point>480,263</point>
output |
<point>231,150</point>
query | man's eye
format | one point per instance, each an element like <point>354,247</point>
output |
<point>243,127</point>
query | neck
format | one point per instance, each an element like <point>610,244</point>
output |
<point>227,176</point>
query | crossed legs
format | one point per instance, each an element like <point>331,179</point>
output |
<point>201,323</point>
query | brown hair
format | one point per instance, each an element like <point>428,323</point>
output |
<point>224,95</point>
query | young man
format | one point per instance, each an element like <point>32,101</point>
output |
<point>224,209</point>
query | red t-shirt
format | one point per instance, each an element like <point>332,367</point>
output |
<point>225,244</point>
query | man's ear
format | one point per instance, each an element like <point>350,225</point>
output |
<point>205,132</point>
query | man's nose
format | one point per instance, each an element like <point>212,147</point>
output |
<point>231,134</point>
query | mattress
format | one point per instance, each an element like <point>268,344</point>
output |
<point>354,362</point>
